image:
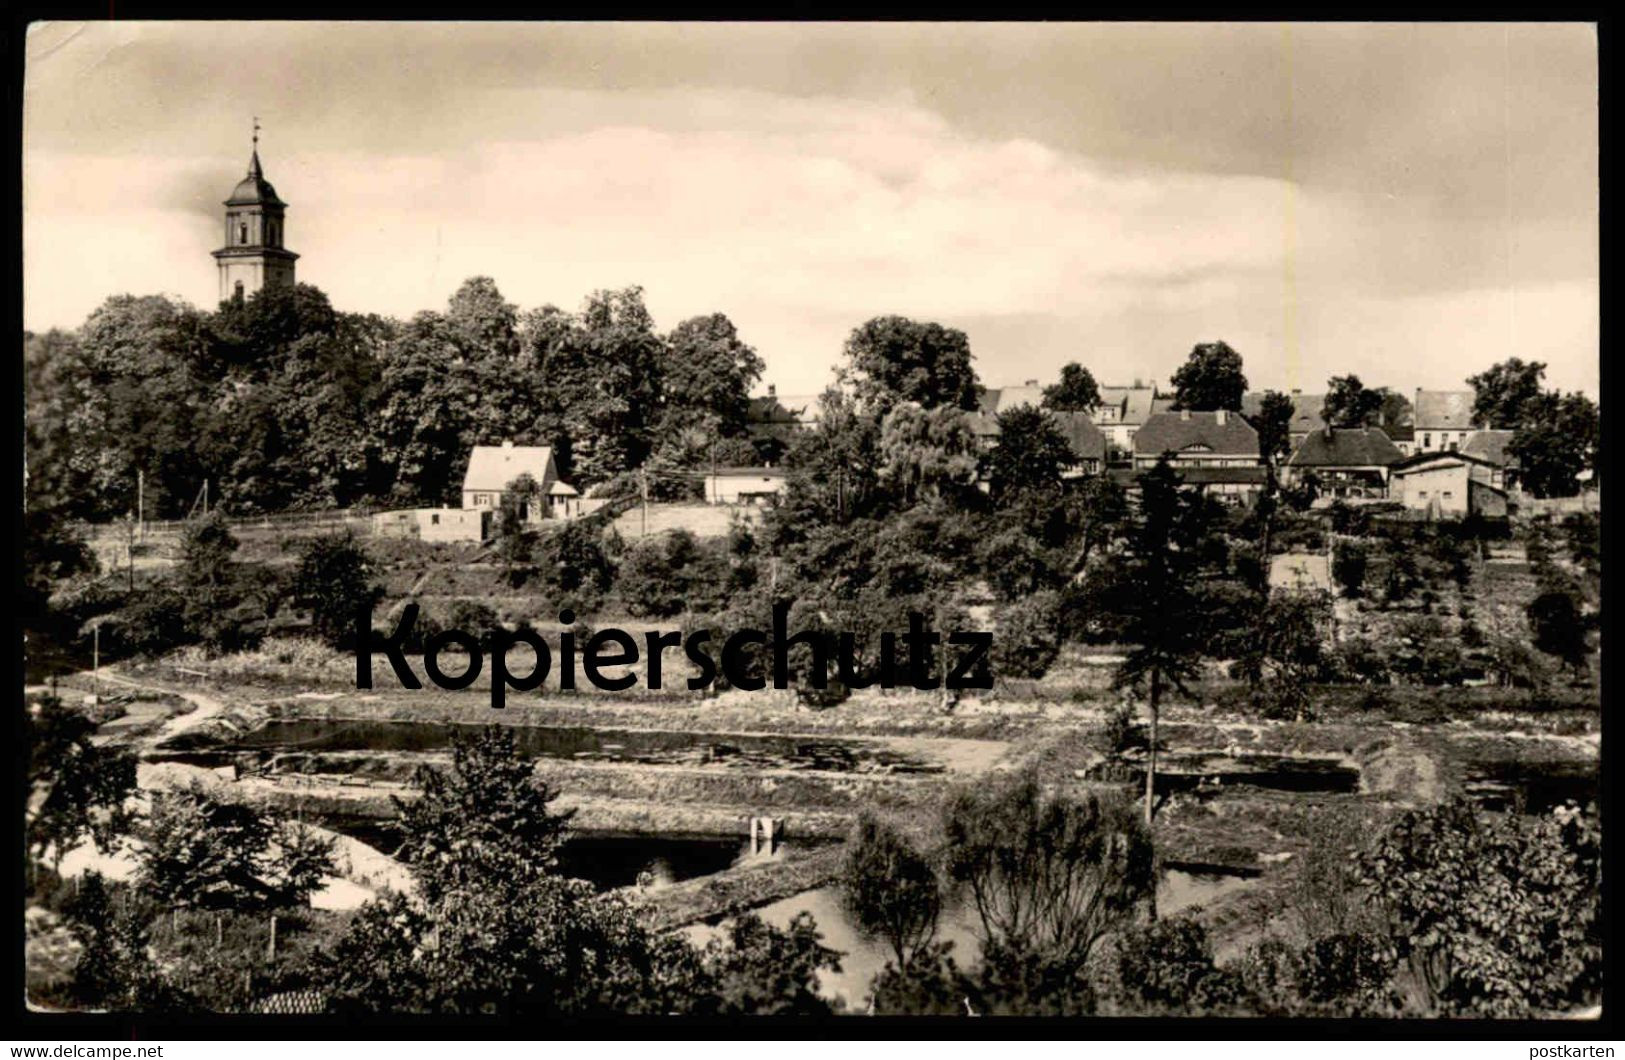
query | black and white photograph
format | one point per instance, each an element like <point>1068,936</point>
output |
<point>709,522</point>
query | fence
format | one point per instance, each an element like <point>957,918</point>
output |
<point>1588,501</point>
<point>357,519</point>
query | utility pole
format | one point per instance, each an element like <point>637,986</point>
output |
<point>141,502</point>
<point>643,482</point>
<point>96,664</point>
<point>129,553</point>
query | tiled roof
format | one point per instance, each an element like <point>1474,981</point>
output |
<point>984,425</point>
<point>492,467</point>
<point>1134,402</point>
<point>1172,432</point>
<point>1305,410</point>
<point>1491,446</point>
<point>994,400</point>
<point>1443,410</point>
<point>748,472</point>
<point>1086,439</point>
<point>1412,464</point>
<point>1346,447</point>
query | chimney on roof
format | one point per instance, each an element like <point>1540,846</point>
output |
<point>772,391</point>
<point>1221,416</point>
<point>1185,414</point>
<point>1032,382</point>
<point>1296,392</point>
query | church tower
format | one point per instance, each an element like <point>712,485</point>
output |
<point>254,256</point>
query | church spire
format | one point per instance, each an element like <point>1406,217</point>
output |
<point>254,171</point>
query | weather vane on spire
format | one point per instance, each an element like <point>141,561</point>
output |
<point>256,133</point>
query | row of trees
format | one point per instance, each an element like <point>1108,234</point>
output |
<point>283,402</point>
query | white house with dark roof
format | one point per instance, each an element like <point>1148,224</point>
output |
<point>1196,439</point>
<point>1123,410</point>
<point>493,468</point>
<point>1448,485</point>
<point>1441,420</point>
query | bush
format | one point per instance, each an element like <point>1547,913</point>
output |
<point>1027,638</point>
<point>1557,627</point>
<point>153,623</point>
<point>1348,567</point>
<point>1119,734</point>
<point>1168,965</point>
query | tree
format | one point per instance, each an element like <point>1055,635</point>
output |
<point>78,787</point>
<point>1157,599</point>
<point>1284,652</point>
<point>52,551</point>
<point>891,890</point>
<point>214,588</point>
<point>1274,426</point>
<point>1046,874</point>
<point>891,359</point>
<point>514,836</point>
<point>498,932</point>
<point>206,852</point>
<point>1076,392</point>
<point>927,452</point>
<point>1504,394</point>
<point>1349,403</point>
<point>334,580</point>
<point>1210,379</point>
<point>514,547</point>
<point>831,476</point>
<point>1559,439</point>
<point>606,371</point>
<point>706,376</point>
<point>1348,566</point>
<point>1558,627</point>
<point>1029,456</point>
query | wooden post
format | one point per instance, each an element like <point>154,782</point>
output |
<point>219,931</point>
<point>643,481</point>
<point>141,502</point>
<point>96,663</point>
<point>271,952</point>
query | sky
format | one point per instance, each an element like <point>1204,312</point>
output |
<point>1409,203</point>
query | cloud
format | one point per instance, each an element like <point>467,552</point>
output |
<point>800,214</point>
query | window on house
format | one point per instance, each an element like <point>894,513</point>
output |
<point>1427,441</point>
<point>434,520</point>
<point>1447,494</point>
<point>1421,493</point>
<point>242,234</point>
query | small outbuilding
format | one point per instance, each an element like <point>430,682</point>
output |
<point>744,485</point>
<point>1448,485</point>
<point>441,525</point>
